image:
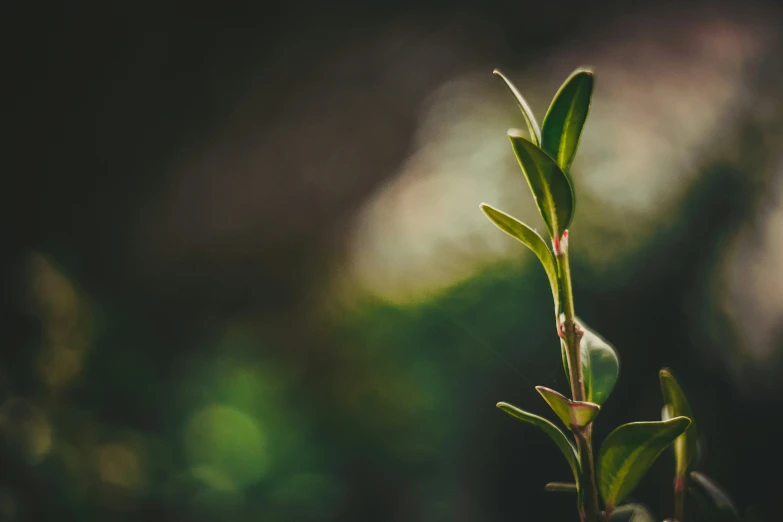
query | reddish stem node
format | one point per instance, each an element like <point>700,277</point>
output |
<point>560,244</point>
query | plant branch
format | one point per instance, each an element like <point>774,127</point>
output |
<point>590,511</point>
<point>567,328</point>
<point>679,497</point>
<point>571,335</point>
<point>560,487</point>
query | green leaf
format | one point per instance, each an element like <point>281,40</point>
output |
<point>720,501</point>
<point>602,366</point>
<point>676,404</point>
<point>566,117</point>
<point>532,124</point>
<point>629,451</point>
<point>530,238</point>
<point>551,188</point>
<point>631,513</point>
<point>576,414</point>
<point>555,433</point>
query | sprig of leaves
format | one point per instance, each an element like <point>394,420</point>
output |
<point>629,451</point>
<point>545,155</point>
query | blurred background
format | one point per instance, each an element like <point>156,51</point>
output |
<point>245,277</point>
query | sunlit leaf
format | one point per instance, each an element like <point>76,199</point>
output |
<point>724,507</point>
<point>551,188</point>
<point>600,365</point>
<point>629,451</point>
<point>530,238</point>
<point>676,404</point>
<point>532,124</point>
<point>631,513</point>
<point>566,117</point>
<point>572,413</point>
<point>555,433</point>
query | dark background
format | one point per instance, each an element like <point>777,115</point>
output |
<point>186,334</point>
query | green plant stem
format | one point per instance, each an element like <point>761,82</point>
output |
<point>589,510</point>
<point>679,498</point>
<point>568,328</point>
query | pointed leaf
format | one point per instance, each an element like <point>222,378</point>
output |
<point>566,117</point>
<point>530,238</point>
<point>725,509</point>
<point>631,513</point>
<point>602,365</point>
<point>532,124</point>
<point>551,188</point>
<point>629,451</point>
<point>550,429</point>
<point>573,413</point>
<point>676,404</point>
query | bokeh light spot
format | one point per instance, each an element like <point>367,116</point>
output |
<point>118,465</point>
<point>25,426</point>
<point>65,321</point>
<point>58,364</point>
<point>215,494</point>
<point>213,478</point>
<point>229,441</point>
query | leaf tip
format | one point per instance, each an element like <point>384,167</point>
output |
<point>515,133</point>
<point>491,213</point>
<point>681,421</point>
<point>584,70</point>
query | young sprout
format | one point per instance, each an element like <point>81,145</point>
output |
<point>545,154</point>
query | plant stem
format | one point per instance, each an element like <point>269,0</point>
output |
<point>589,510</point>
<point>568,327</point>
<point>679,497</point>
<point>561,487</point>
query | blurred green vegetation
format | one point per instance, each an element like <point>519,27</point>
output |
<point>235,429</point>
<point>186,334</point>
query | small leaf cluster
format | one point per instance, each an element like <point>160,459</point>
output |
<point>712,502</point>
<point>545,154</point>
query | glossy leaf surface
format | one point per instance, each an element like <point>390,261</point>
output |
<point>571,413</point>
<point>629,451</point>
<point>566,117</point>
<point>532,124</point>
<point>600,365</point>
<point>528,237</point>
<point>551,188</point>
<point>555,433</point>
<point>676,404</point>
